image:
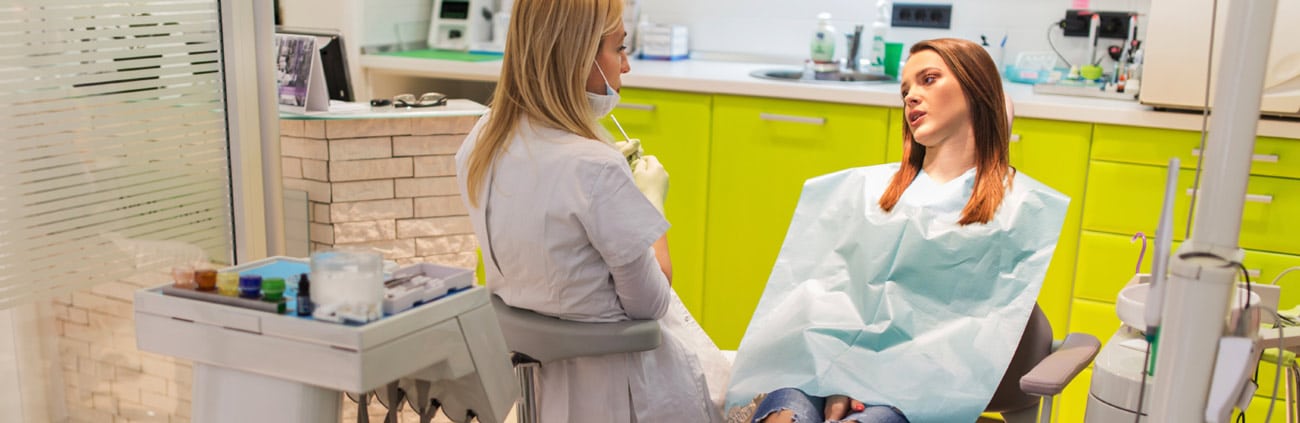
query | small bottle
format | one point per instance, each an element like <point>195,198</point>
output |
<point>878,29</point>
<point>305,306</point>
<point>823,42</point>
<point>183,277</point>
<point>228,284</point>
<point>250,286</point>
<point>273,289</point>
<point>206,279</point>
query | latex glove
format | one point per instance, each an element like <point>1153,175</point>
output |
<point>631,149</point>
<point>651,178</point>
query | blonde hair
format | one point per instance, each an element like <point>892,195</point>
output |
<point>550,50</point>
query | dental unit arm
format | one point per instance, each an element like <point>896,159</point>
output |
<point>1200,372</point>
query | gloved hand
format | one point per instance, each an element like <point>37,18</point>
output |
<point>651,178</point>
<point>631,149</point>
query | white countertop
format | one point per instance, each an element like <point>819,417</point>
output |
<point>716,77</point>
<point>454,107</point>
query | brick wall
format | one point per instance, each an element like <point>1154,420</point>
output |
<point>105,378</point>
<point>388,184</point>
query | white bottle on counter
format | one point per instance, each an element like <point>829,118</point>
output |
<point>878,30</point>
<point>823,42</point>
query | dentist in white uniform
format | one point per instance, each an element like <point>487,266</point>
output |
<point>567,227</point>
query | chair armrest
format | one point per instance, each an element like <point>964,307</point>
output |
<point>1056,370</point>
<point>546,339</point>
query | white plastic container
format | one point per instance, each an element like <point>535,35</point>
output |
<point>664,42</point>
<point>823,43</point>
<point>347,279</point>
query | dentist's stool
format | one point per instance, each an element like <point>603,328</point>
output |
<point>535,340</point>
<point>1039,370</point>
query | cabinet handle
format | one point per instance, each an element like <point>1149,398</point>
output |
<point>796,119</point>
<point>1262,158</point>
<point>1254,198</point>
<point>635,106</point>
<point>1015,137</point>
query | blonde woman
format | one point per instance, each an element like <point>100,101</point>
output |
<point>567,228</point>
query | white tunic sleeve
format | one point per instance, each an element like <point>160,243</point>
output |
<point>620,222</point>
<point>622,225</point>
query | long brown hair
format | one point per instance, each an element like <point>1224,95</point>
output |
<point>550,50</point>
<point>982,86</point>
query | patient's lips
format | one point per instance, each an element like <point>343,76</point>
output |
<point>915,117</point>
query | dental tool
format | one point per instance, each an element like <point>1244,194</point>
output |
<point>620,127</point>
<point>1160,262</point>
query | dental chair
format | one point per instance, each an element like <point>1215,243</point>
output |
<point>1039,370</point>
<point>535,340</point>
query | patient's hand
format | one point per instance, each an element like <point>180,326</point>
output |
<point>839,406</point>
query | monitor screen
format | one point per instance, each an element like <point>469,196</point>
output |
<point>332,58</point>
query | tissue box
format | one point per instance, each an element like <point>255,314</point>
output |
<point>664,42</point>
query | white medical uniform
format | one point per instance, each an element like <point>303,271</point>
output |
<point>564,215</point>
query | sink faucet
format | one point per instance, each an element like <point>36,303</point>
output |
<point>855,48</point>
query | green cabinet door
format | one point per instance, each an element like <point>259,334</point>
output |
<point>894,142</point>
<point>674,127</point>
<point>762,152</point>
<point>1056,154</point>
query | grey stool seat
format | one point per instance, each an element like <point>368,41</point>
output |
<point>537,339</point>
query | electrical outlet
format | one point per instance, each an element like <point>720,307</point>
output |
<point>1113,24</point>
<point>914,15</point>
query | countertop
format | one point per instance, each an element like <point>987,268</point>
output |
<point>454,107</point>
<point>725,77</point>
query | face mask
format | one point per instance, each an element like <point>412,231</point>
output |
<point>602,105</point>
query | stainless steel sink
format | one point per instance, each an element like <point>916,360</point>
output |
<point>833,77</point>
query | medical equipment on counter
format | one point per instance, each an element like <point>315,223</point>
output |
<point>861,302</point>
<point>459,24</point>
<point>255,366</point>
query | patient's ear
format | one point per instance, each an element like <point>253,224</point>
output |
<point>1011,110</point>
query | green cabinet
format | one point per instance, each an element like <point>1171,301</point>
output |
<point>1056,154</point>
<point>674,127</point>
<point>762,152</point>
<point>1125,184</point>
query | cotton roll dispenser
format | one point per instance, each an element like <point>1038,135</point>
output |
<point>347,285</point>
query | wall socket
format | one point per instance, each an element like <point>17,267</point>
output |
<point>916,15</point>
<point>1113,24</point>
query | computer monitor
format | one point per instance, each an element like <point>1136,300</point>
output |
<point>332,58</point>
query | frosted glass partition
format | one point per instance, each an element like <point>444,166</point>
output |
<point>114,152</point>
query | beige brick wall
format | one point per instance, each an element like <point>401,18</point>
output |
<point>105,378</point>
<point>387,184</point>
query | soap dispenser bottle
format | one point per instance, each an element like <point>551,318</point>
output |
<point>823,42</point>
<point>878,29</point>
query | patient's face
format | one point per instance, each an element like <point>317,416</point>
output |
<point>933,101</point>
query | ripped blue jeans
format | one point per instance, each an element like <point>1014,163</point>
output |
<point>808,409</point>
